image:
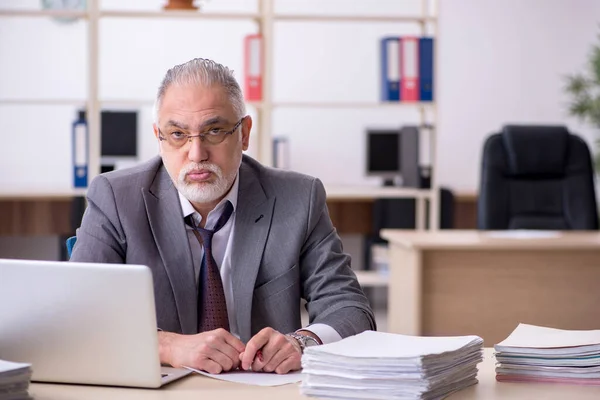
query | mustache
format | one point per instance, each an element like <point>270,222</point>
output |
<point>193,167</point>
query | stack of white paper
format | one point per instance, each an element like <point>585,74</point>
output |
<point>14,380</point>
<point>537,354</point>
<point>376,365</point>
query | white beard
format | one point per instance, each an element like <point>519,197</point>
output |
<point>205,192</point>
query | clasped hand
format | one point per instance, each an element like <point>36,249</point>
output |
<point>219,351</point>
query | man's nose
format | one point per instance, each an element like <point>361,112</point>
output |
<point>197,150</point>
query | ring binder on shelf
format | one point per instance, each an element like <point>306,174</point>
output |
<point>80,153</point>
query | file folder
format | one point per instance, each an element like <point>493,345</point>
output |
<point>390,69</point>
<point>426,69</point>
<point>253,67</point>
<point>409,69</point>
<point>80,153</point>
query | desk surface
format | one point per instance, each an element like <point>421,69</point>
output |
<point>199,387</point>
<point>456,239</point>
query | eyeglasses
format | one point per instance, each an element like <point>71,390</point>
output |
<point>177,139</point>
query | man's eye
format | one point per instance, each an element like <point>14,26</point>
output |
<point>178,135</point>
<point>215,131</point>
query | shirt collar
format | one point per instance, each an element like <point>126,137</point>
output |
<point>232,196</point>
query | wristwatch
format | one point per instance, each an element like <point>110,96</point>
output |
<point>304,340</point>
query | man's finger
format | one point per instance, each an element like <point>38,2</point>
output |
<point>291,363</point>
<point>278,358</point>
<point>231,340</point>
<point>255,344</point>
<point>277,341</point>
<point>210,366</point>
<point>226,349</point>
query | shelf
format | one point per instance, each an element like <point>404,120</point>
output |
<point>44,13</point>
<point>38,193</point>
<point>150,102</point>
<point>203,15</point>
<point>372,279</point>
<point>43,102</point>
<point>368,193</point>
<point>349,104</point>
<point>176,14</point>
<point>352,18</point>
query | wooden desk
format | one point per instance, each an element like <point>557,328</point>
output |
<point>45,212</point>
<point>351,207</point>
<point>199,387</point>
<point>465,282</point>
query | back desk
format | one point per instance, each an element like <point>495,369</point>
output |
<point>199,387</point>
<point>469,282</point>
<point>29,212</point>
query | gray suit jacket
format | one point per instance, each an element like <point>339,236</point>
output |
<point>284,249</point>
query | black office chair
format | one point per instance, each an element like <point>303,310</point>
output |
<point>400,214</point>
<point>536,177</point>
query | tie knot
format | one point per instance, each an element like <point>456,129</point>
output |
<point>223,218</point>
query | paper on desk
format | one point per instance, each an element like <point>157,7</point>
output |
<point>8,366</point>
<point>531,336</point>
<point>254,378</point>
<point>523,234</point>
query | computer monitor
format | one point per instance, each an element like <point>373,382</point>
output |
<point>383,154</point>
<point>118,137</point>
<point>119,134</point>
<point>393,154</point>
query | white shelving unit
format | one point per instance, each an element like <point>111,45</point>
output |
<point>265,18</point>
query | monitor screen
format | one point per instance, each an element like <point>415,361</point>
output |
<point>383,152</point>
<point>119,133</point>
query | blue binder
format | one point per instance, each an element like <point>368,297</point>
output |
<point>80,153</point>
<point>390,69</point>
<point>426,69</point>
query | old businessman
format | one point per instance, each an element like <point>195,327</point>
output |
<point>233,246</point>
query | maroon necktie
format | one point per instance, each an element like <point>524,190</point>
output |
<point>212,308</point>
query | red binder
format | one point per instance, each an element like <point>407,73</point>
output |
<point>253,67</point>
<point>409,68</point>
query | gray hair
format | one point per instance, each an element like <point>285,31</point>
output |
<point>204,72</point>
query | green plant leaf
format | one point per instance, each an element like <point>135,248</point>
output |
<point>577,84</point>
<point>581,107</point>
<point>595,64</point>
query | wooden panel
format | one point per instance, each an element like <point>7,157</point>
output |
<point>478,240</point>
<point>465,212</point>
<point>488,293</point>
<point>351,216</point>
<point>35,217</point>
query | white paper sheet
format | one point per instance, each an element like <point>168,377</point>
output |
<point>254,378</point>
<point>370,344</point>
<point>531,336</point>
<point>6,366</point>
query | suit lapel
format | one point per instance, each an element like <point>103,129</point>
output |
<point>167,225</point>
<point>254,212</point>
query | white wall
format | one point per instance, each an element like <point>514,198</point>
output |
<point>499,62</point>
<point>504,62</point>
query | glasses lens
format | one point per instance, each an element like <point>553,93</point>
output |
<point>176,139</point>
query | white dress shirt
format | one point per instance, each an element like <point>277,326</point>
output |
<point>222,249</point>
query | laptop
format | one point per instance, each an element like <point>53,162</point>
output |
<point>82,323</point>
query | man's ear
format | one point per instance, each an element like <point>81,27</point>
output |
<point>246,128</point>
<point>155,129</point>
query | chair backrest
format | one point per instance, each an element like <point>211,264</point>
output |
<point>70,244</point>
<point>536,177</point>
